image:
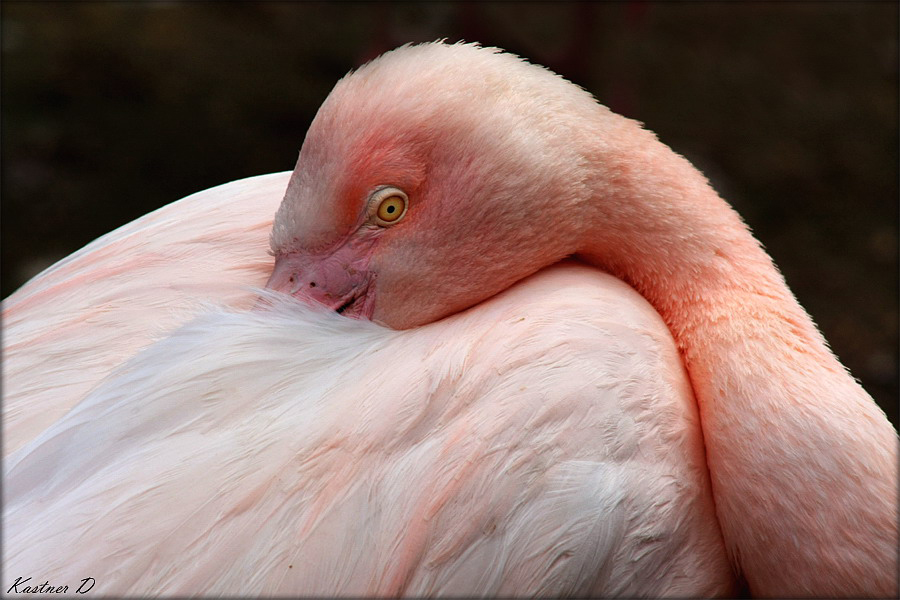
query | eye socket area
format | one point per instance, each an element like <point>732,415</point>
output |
<point>388,206</point>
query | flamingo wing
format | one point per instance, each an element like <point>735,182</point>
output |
<point>545,442</point>
<point>68,327</point>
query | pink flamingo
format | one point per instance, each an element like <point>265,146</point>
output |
<point>530,430</point>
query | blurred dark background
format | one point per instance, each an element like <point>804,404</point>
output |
<point>110,110</point>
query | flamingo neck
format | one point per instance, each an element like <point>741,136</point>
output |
<point>802,462</point>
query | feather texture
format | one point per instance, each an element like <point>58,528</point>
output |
<point>536,430</point>
<point>542,444</point>
<point>68,327</point>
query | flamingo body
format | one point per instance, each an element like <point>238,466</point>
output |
<point>536,427</point>
<point>544,443</point>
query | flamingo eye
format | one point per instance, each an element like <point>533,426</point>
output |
<point>391,206</point>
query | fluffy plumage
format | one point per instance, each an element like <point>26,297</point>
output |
<point>545,443</point>
<point>70,326</point>
<point>521,169</point>
<point>542,441</point>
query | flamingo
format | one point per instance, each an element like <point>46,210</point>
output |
<point>582,373</point>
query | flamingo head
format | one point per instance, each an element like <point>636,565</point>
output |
<point>431,179</point>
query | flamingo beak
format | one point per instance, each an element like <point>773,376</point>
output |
<point>341,281</point>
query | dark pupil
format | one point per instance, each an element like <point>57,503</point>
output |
<point>390,209</point>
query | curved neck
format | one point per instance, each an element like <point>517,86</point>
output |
<point>802,461</point>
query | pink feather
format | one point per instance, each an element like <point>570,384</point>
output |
<point>537,427</point>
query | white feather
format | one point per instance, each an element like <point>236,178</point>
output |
<point>546,447</point>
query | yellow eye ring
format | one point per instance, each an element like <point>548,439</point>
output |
<point>391,206</point>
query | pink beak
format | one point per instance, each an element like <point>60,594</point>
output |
<point>340,281</point>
